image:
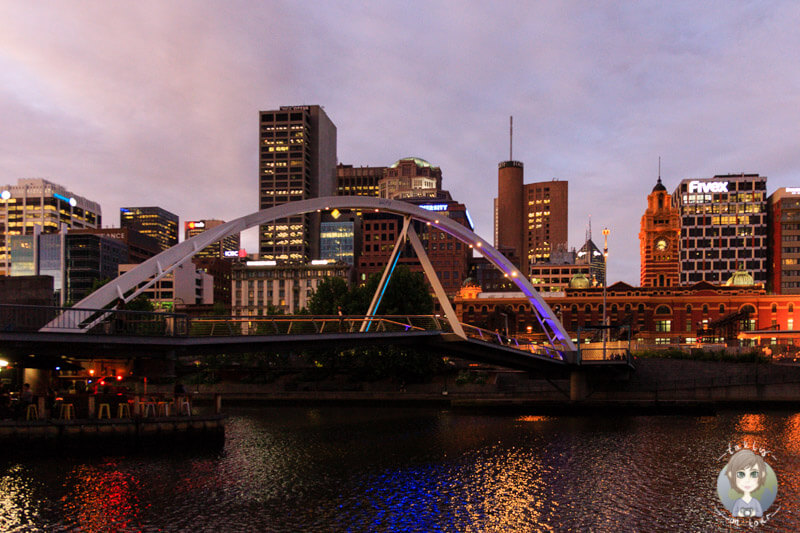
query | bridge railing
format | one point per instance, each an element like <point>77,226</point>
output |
<point>495,337</point>
<point>309,325</point>
<point>30,318</point>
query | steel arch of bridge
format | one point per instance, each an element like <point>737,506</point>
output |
<point>156,267</point>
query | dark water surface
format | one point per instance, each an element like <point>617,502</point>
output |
<point>407,469</point>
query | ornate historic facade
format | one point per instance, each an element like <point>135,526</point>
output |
<point>656,315</point>
<point>659,239</point>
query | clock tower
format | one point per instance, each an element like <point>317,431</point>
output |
<point>658,240</point>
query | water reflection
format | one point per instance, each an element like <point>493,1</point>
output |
<point>751,423</point>
<point>102,498</point>
<point>18,505</point>
<point>345,469</point>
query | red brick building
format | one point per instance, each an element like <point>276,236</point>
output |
<point>656,315</point>
<point>783,241</point>
<point>530,219</point>
<point>659,238</point>
<point>449,256</point>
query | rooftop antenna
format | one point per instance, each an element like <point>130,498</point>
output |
<point>511,138</point>
<point>589,230</point>
<point>659,169</point>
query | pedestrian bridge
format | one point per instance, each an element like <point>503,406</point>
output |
<point>94,326</point>
<point>124,334</point>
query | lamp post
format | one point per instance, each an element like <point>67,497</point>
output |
<point>605,284</point>
<point>6,196</point>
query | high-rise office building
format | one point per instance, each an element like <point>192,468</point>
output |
<point>545,224</point>
<point>337,241</point>
<point>449,256</point>
<point>40,255</point>
<point>358,181</point>
<point>141,247</point>
<point>42,206</point>
<point>410,177</point>
<point>530,219</point>
<point>783,264</point>
<point>659,236</point>
<point>152,221</point>
<point>91,258</point>
<point>589,254</point>
<point>297,161</point>
<point>227,247</point>
<point>723,227</point>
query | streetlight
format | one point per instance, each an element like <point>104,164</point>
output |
<point>605,284</point>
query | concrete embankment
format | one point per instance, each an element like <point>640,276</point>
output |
<point>657,385</point>
<point>112,435</point>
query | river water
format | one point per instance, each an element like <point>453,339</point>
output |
<point>332,469</point>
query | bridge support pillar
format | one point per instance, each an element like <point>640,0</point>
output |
<point>578,385</point>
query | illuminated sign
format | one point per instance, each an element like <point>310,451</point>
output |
<point>261,263</point>
<point>5,195</point>
<point>434,207</point>
<point>706,187</point>
<point>70,201</point>
<point>230,253</point>
<point>242,253</point>
<point>321,261</point>
<point>195,225</point>
<point>469,219</point>
<point>790,190</point>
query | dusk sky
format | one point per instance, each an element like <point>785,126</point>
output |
<point>156,102</point>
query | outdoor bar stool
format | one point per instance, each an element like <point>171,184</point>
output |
<point>33,412</point>
<point>163,408</point>
<point>185,407</point>
<point>104,407</point>
<point>148,409</point>
<point>67,411</point>
<point>123,409</point>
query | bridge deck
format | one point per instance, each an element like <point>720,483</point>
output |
<point>125,334</point>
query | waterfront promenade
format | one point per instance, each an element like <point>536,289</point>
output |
<point>85,424</point>
<point>655,382</point>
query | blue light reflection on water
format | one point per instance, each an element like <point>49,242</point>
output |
<point>376,469</point>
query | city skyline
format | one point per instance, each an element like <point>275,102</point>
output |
<point>157,104</point>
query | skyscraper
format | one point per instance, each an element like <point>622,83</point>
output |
<point>530,219</point>
<point>545,220</point>
<point>784,241</point>
<point>38,203</point>
<point>227,247</point>
<point>297,161</point>
<point>723,227</point>
<point>152,221</point>
<point>410,177</point>
<point>358,181</point>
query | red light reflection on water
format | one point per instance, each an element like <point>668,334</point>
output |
<point>791,438</point>
<point>751,423</point>
<point>102,499</point>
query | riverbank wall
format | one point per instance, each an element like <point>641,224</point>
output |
<point>655,383</point>
<point>112,435</point>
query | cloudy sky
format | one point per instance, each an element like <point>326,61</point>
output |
<point>156,102</point>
